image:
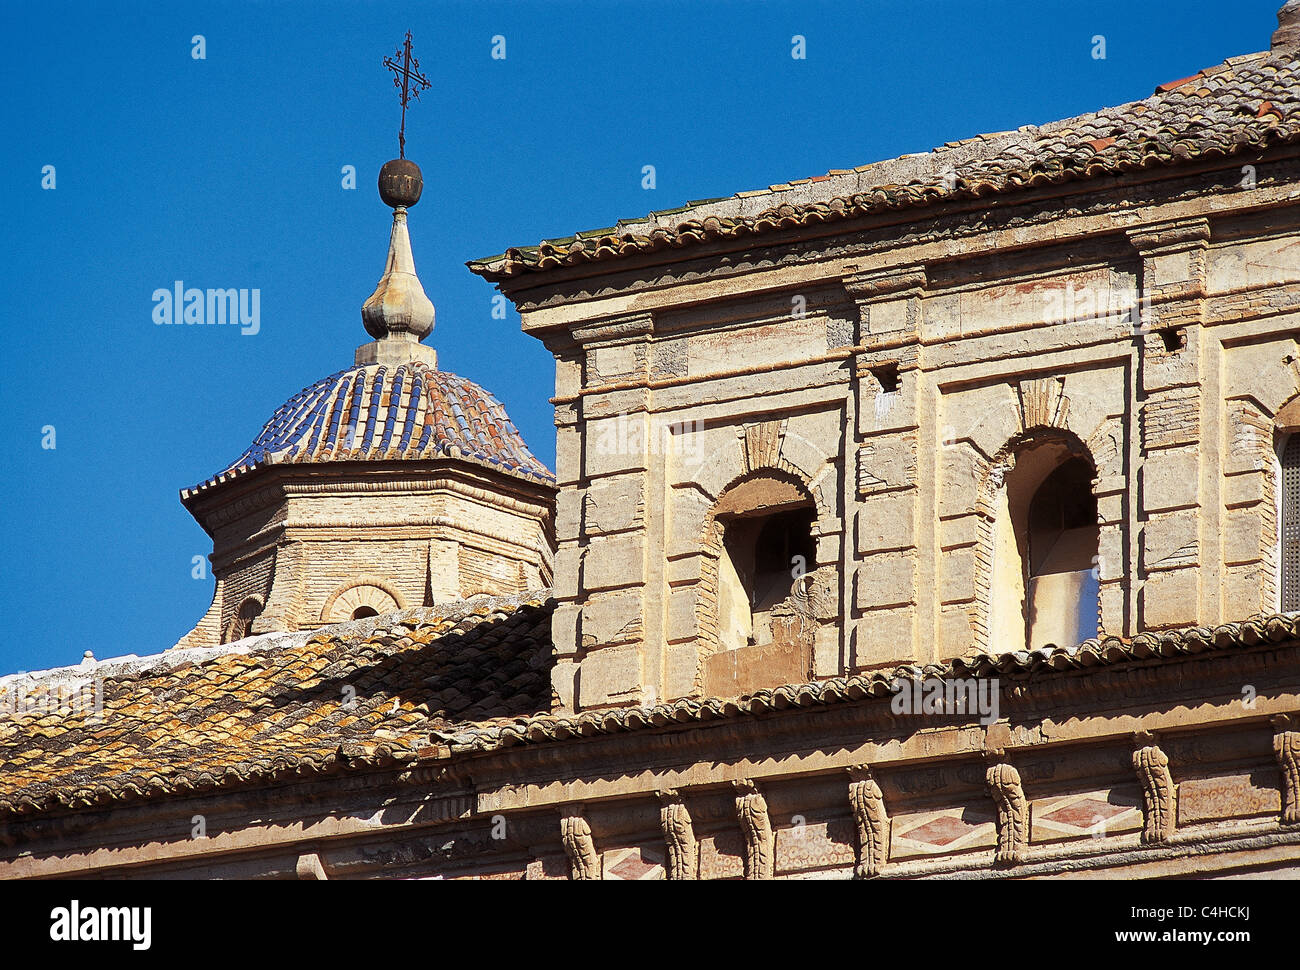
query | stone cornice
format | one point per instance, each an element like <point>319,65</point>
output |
<point>268,486</point>
<point>1075,211</point>
<point>802,740</point>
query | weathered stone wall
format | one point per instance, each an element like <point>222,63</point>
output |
<point>1151,328</point>
<point>322,544</point>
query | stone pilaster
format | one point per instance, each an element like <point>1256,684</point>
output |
<point>888,528</point>
<point>1173,564</point>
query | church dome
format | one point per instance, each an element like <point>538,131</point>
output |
<point>392,404</point>
<point>384,412</point>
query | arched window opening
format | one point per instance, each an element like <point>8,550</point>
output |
<point>763,556</point>
<point>1061,566</point>
<point>1043,585</point>
<point>351,600</point>
<point>241,624</point>
<point>1289,514</point>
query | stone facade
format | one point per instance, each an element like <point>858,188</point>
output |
<point>895,373</point>
<point>843,466</point>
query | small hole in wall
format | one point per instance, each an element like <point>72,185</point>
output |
<point>886,376</point>
<point>1174,339</point>
<point>364,612</point>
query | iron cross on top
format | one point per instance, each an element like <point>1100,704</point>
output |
<point>407,76</point>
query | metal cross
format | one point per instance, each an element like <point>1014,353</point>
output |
<point>406,69</point>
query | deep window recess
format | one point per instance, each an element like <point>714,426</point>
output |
<point>242,622</point>
<point>1062,566</point>
<point>1289,507</point>
<point>763,556</point>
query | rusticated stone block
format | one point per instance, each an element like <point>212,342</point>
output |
<point>614,562</point>
<point>611,675</point>
<point>612,618</point>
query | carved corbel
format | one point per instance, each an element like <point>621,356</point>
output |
<point>575,833</point>
<point>760,847</point>
<point>1152,768</point>
<point>868,804</point>
<point>679,835</point>
<point>1286,748</point>
<point>1013,813</point>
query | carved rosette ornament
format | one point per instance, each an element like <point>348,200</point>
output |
<point>679,836</point>
<point>1286,748</point>
<point>1013,815</point>
<point>575,833</point>
<point>1152,768</point>
<point>760,847</point>
<point>868,804</point>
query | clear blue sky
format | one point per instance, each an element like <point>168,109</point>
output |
<point>225,172</point>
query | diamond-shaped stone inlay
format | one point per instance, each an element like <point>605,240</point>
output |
<point>940,831</point>
<point>1085,813</point>
<point>634,864</point>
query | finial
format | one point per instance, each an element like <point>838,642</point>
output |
<point>406,69</point>
<point>400,183</point>
<point>1287,35</point>
<point>398,309</point>
<point>399,314</point>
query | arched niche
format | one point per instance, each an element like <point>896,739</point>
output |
<point>760,544</point>
<point>240,624</point>
<point>1043,540</point>
<point>356,599</point>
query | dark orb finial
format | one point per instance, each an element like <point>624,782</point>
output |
<point>400,183</point>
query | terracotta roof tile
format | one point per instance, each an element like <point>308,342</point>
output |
<point>377,413</point>
<point>468,677</point>
<point>237,717</point>
<point>1091,654</point>
<point>1219,117</point>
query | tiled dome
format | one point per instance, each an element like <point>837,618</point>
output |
<point>379,412</point>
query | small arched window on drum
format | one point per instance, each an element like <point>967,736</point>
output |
<point>241,624</point>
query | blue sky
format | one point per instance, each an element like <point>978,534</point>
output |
<point>226,172</point>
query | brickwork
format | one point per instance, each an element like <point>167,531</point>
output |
<point>317,545</point>
<point>900,386</point>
